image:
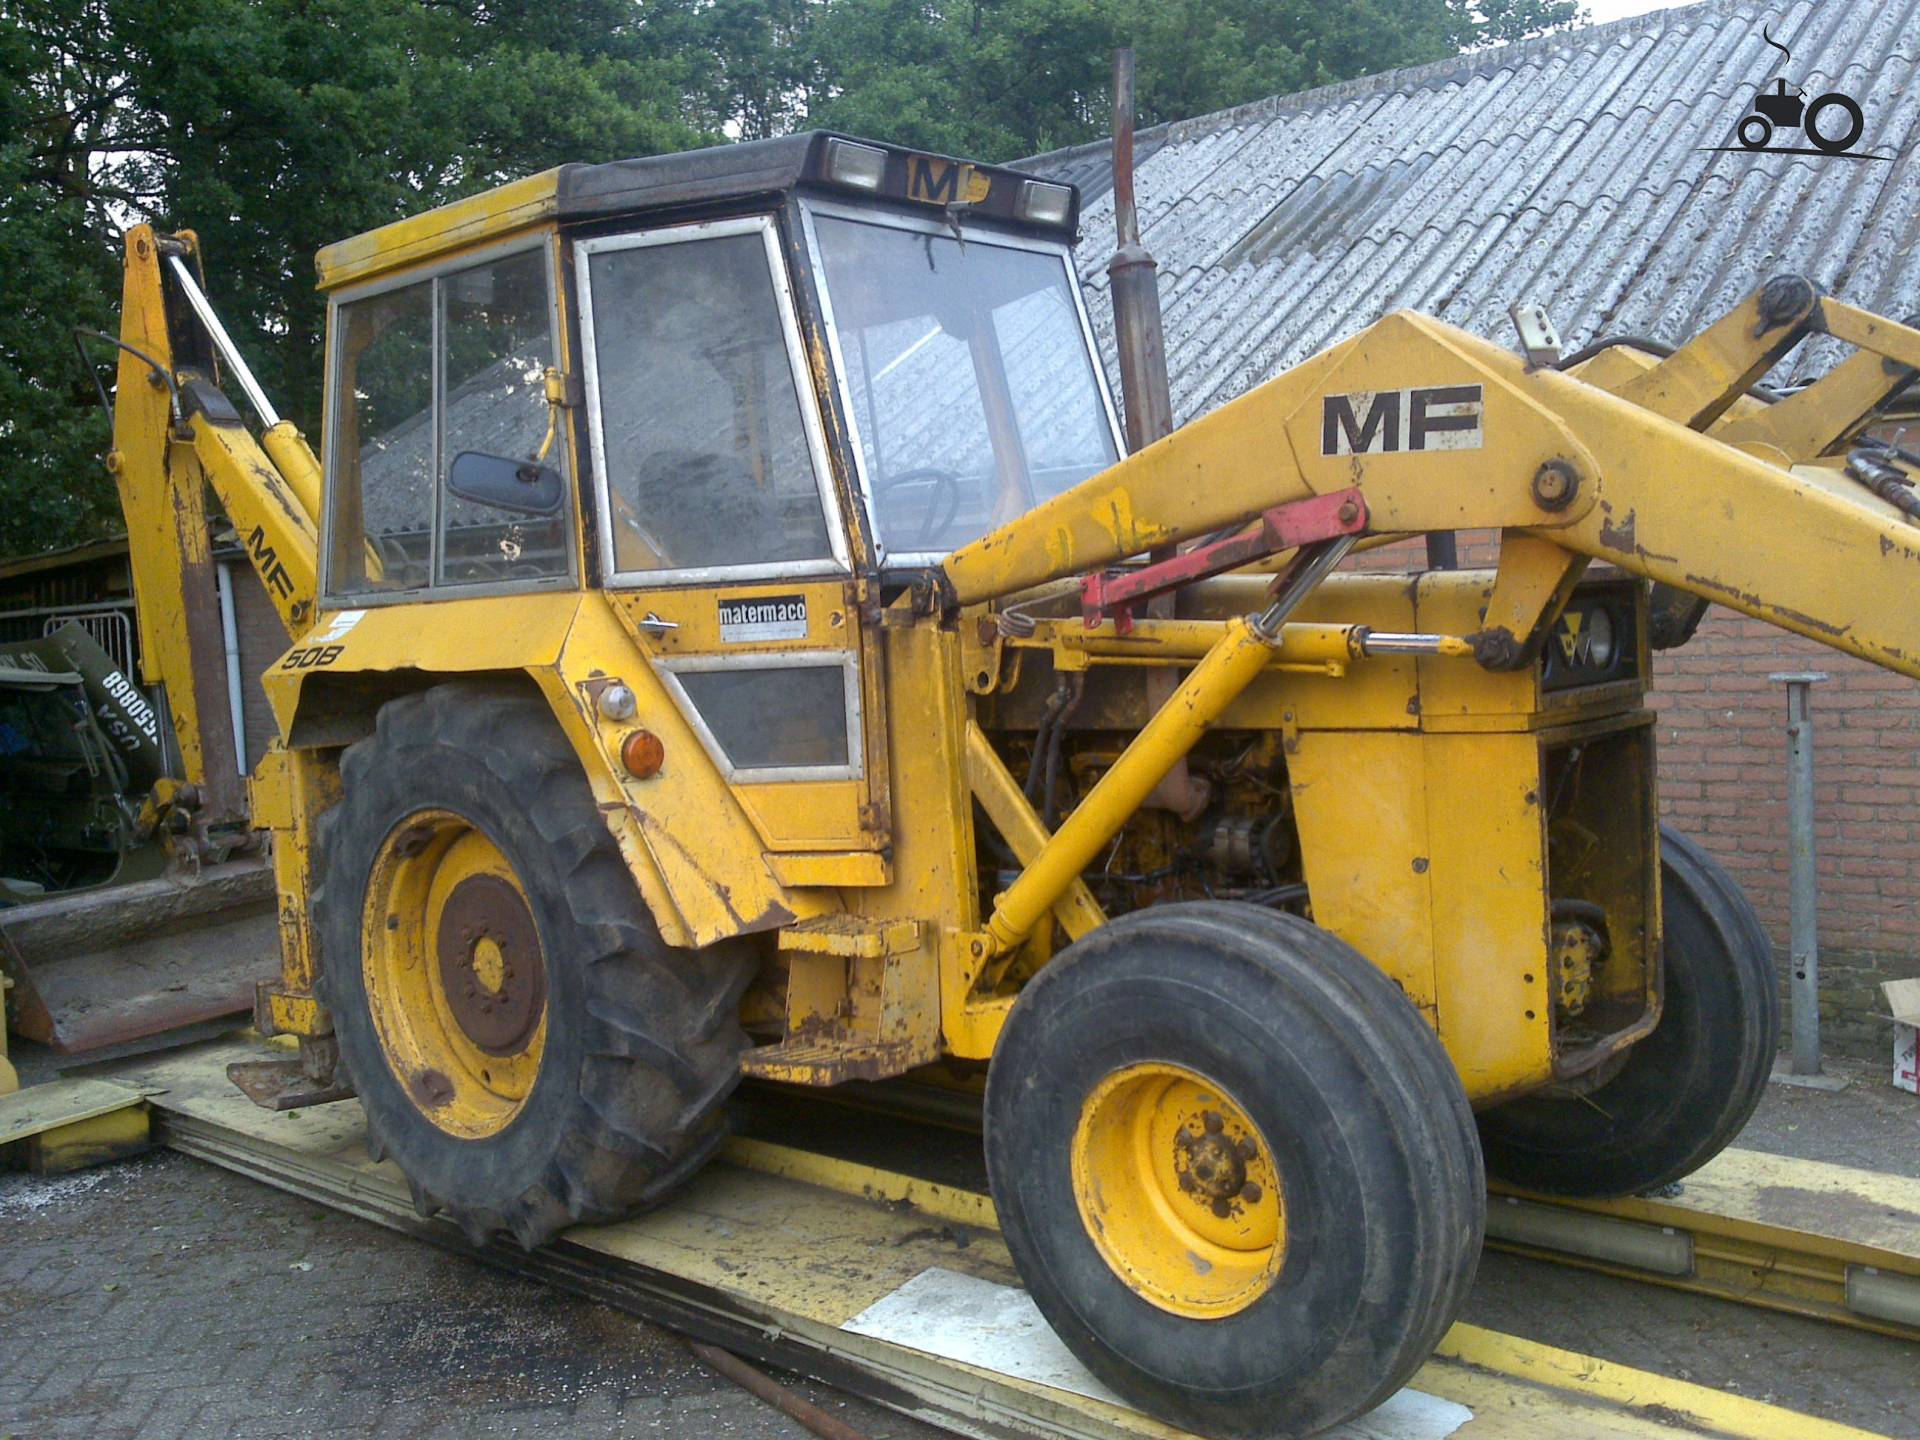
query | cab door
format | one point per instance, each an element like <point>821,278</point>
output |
<point>722,545</point>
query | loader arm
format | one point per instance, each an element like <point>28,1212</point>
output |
<point>1440,430</point>
<point>174,435</point>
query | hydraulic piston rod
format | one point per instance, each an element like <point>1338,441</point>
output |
<point>282,441</point>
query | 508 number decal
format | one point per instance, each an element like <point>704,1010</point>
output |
<point>313,655</point>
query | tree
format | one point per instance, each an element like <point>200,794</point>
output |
<point>276,126</point>
<point>272,128</point>
<point>999,79</point>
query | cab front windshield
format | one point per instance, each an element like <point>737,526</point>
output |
<point>973,392</point>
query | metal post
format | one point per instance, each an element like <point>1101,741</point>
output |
<point>1804,947</point>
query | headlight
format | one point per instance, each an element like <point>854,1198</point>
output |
<point>858,167</point>
<point>1043,204</point>
<point>1597,639</point>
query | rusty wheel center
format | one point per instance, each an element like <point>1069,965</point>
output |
<point>491,969</point>
<point>1212,1166</point>
<point>1177,1190</point>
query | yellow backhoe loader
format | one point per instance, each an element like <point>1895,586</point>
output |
<point>733,640</point>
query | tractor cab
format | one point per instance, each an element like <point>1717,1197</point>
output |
<point>803,357</point>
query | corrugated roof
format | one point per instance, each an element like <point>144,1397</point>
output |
<point>1575,169</point>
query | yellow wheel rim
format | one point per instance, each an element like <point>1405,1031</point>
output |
<point>455,976</point>
<point>1177,1188</point>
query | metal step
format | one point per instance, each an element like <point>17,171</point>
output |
<point>853,937</point>
<point>828,1062</point>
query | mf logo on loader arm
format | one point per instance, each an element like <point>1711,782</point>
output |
<point>1427,417</point>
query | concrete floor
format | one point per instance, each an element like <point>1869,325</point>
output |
<point>164,1298</point>
<point>1869,1125</point>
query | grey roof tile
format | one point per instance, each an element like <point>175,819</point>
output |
<point>1576,169</point>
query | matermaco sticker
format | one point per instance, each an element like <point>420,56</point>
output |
<point>763,617</point>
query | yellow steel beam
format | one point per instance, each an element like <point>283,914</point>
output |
<point>1696,1407</point>
<point>1812,422</point>
<point>1006,806</point>
<point>1851,1255</point>
<point>1698,382</point>
<point>1240,654</point>
<point>1593,472</point>
<point>163,497</point>
<point>276,525</point>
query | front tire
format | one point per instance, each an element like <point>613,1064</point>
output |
<point>1235,1168</point>
<point>1689,1087</point>
<point>526,1047</point>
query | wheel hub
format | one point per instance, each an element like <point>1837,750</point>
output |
<point>456,980</point>
<point>1212,1168</point>
<point>1179,1191</point>
<point>490,966</point>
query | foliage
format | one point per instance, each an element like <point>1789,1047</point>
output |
<point>275,126</point>
<point>271,127</point>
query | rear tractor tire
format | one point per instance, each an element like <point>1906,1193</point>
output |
<point>527,1049</point>
<point>1235,1168</point>
<point>1687,1089</point>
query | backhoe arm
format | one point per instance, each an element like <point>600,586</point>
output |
<point>174,435</point>
<point>1442,431</point>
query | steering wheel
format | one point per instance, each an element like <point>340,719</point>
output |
<point>944,482</point>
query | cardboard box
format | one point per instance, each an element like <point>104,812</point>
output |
<point>1903,999</point>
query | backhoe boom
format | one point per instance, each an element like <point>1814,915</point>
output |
<point>174,435</point>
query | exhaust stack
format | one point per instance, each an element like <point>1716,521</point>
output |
<point>1136,294</point>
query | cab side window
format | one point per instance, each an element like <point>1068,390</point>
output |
<point>382,444</point>
<point>446,461</point>
<point>704,447</point>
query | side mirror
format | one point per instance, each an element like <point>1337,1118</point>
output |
<point>522,487</point>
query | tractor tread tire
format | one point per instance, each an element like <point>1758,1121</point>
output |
<point>643,1040</point>
<point>1687,1089</point>
<point>1386,1197</point>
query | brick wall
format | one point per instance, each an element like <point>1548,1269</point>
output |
<point>1723,780</point>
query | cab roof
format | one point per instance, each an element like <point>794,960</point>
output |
<point>753,169</point>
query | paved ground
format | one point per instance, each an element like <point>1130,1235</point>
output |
<point>164,1298</point>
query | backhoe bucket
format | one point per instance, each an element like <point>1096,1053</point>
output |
<point>105,968</point>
